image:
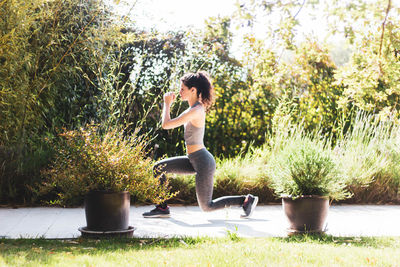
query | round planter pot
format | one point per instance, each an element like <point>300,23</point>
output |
<point>107,211</point>
<point>106,234</point>
<point>306,213</point>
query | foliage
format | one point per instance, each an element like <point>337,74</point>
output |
<point>18,174</point>
<point>370,78</point>
<point>307,79</point>
<point>85,161</point>
<point>260,99</point>
<point>41,46</point>
<point>314,91</point>
<point>242,112</point>
<point>368,155</point>
<point>45,50</point>
<point>152,63</point>
<point>145,66</point>
<point>67,63</point>
<point>279,18</point>
<point>306,167</point>
<point>155,62</point>
<point>326,94</point>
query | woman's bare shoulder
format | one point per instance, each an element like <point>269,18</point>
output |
<point>198,110</point>
<point>199,116</point>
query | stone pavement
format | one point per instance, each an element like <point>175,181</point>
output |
<point>267,221</point>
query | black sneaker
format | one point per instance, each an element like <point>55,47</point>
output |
<point>249,205</point>
<point>158,212</point>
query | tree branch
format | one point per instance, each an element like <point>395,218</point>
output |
<point>302,5</point>
<point>383,26</point>
<point>294,17</point>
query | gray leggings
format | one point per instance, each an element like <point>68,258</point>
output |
<point>202,164</point>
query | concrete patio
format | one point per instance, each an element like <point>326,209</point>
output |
<point>267,221</point>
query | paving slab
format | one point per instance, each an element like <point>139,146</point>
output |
<point>267,221</point>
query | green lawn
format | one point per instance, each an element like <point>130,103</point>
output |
<point>230,251</point>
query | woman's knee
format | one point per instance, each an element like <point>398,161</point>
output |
<point>206,207</point>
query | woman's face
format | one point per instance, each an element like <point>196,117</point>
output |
<point>185,92</point>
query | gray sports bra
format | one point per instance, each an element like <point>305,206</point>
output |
<point>193,135</point>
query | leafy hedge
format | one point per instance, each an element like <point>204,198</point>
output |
<point>65,63</point>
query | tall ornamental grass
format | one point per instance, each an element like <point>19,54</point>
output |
<point>369,155</point>
<point>244,174</point>
<point>360,153</point>
<point>365,160</point>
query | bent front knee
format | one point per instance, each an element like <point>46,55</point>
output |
<point>206,207</point>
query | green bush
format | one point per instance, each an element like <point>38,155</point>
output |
<point>86,161</point>
<point>48,50</point>
<point>19,170</point>
<point>306,167</point>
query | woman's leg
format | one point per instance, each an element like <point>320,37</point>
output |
<point>204,164</point>
<point>179,165</point>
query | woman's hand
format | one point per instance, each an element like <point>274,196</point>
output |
<point>169,98</point>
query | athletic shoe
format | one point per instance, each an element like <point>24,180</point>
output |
<point>249,205</point>
<point>157,212</point>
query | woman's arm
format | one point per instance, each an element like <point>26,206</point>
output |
<point>167,122</point>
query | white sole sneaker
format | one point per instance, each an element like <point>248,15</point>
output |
<point>252,208</point>
<point>157,216</point>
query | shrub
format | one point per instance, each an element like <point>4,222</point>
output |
<point>306,167</point>
<point>86,161</point>
<point>48,51</point>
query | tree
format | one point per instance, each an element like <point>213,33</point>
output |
<point>371,77</point>
<point>46,50</point>
<point>316,93</point>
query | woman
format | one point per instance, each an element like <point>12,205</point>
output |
<point>196,88</point>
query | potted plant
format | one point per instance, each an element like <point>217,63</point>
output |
<point>104,170</point>
<point>303,172</point>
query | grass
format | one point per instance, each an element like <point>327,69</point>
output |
<point>367,156</point>
<point>291,251</point>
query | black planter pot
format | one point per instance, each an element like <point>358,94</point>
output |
<point>107,211</point>
<point>306,213</point>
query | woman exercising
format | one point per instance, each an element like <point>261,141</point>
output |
<point>197,89</point>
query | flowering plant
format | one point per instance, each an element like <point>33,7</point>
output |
<point>86,161</point>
